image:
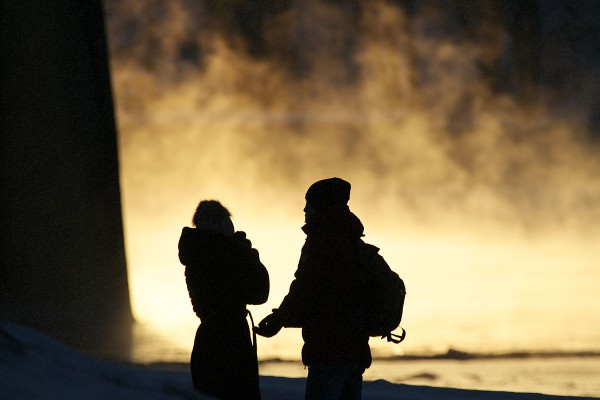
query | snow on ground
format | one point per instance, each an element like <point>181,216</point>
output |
<point>34,367</point>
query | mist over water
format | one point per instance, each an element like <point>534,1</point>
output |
<point>482,195</point>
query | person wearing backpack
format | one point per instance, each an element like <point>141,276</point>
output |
<point>322,297</point>
<point>223,274</point>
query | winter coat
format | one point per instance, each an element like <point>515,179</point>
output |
<point>223,275</point>
<point>322,297</point>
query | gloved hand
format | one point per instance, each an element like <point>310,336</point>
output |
<point>270,325</point>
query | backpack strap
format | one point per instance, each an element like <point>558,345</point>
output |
<point>395,338</point>
<point>249,314</point>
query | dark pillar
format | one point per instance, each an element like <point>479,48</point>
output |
<point>63,265</point>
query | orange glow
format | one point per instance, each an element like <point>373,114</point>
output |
<point>493,225</point>
<point>464,292</point>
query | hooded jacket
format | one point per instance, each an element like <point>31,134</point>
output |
<point>322,296</point>
<point>223,274</point>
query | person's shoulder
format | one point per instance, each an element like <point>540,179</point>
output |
<point>241,246</point>
<point>204,238</point>
<point>187,231</point>
<point>187,235</point>
<point>240,239</point>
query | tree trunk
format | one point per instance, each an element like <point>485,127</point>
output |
<point>62,249</point>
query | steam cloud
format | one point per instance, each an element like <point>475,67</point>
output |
<point>426,114</point>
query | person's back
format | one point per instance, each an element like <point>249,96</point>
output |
<point>223,274</point>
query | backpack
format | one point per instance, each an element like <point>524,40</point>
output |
<point>382,294</point>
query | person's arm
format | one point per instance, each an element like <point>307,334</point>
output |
<point>185,246</point>
<point>307,289</point>
<point>257,283</point>
<point>258,280</point>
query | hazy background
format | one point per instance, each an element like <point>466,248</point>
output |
<point>469,132</point>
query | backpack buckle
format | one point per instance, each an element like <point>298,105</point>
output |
<point>391,337</point>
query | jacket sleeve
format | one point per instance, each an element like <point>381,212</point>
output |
<point>256,285</point>
<point>307,288</point>
<point>258,280</point>
<point>185,247</point>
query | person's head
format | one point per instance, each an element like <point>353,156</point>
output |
<point>212,216</point>
<point>326,195</point>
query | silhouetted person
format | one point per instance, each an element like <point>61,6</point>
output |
<point>223,274</point>
<point>322,296</point>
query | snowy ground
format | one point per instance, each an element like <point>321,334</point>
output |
<point>33,366</point>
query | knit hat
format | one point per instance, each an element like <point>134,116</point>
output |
<point>213,216</point>
<point>328,193</point>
